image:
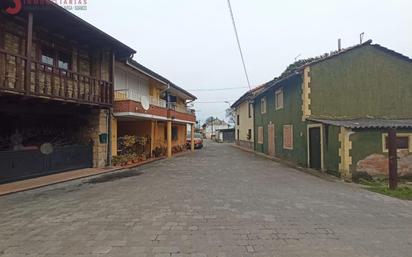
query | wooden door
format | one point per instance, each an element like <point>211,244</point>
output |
<point>315,148</point>
<point>271,139</point>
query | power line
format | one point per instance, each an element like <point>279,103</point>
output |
<point>216,89</point>
<point>213,102</point>
<point>238,43</point>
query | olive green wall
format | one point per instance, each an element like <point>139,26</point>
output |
<point>331,147</point>
<point>365,82</point>
<point>364,143</point>
<point>367,146</point>
<point>291,114</point>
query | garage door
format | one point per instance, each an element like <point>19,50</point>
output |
<point>19,165</point>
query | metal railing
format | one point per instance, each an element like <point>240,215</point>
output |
<point>180,108</point>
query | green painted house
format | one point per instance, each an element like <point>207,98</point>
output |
<point>333,112</point>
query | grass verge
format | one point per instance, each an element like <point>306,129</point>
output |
<point>404,191</point>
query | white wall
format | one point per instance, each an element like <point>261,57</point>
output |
<point>125,79</point>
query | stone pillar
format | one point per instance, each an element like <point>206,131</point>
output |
<point>98,125</point>
<point>169,139</point>
<point>192,137</point>
<point>344,153</point>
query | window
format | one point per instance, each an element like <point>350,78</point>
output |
<point>47,56</point>
<point>249,110</point>
<point>65,61</point>
<point>403,142</point>
<point>238,119</point>
<point>263,105</point>
<point>249,134</point>
<point>260,135</point>
<point>288,137</point>
<point>279,99</point>
<point>238,135</point>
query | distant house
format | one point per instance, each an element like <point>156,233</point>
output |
<point>210,128</point>
<point>243,108</point>
<point>333,112</point>
<point>225,135</point>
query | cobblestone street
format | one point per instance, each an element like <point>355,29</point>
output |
<point>216,202</point>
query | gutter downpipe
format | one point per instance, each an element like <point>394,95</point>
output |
<point>109,137</point>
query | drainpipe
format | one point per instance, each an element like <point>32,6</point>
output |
<point>109,137</point>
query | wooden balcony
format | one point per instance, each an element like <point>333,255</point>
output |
<point>49,82</point>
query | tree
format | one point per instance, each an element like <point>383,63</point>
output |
<point>231,115</point>
<point>209,120</point>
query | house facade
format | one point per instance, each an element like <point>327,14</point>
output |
<point>211,128</point>
<point>244,129</point>
<point>150,108</point>
<point>56,92</point>
<point>333,113</point>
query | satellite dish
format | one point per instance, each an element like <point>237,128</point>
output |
<point>46,149</point>
<point>145,102</point>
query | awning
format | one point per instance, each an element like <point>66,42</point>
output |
<point>365,123</point>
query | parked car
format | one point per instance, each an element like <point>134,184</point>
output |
<point>198,141</point>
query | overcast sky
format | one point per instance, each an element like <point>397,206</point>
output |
<point>192,42</point>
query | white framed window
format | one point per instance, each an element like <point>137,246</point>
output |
<point>403,140</point>
<point>279,99</point>
<point>288,137</point>
<point>263,105</point>
<point>260,135</point>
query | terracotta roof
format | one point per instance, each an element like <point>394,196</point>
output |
<point>364,123</point>
<point>248,95</point>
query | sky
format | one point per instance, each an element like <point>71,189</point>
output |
<point>192,42</point>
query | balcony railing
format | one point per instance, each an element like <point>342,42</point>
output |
<point>134,95</point>
<point>179,108</point>
<point>49,81</point>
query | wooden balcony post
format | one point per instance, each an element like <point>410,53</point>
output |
<point>112,70</point>
<point>393,159</point>
<point>2,58</point>
<point>29,46</point>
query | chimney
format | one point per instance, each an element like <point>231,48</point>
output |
<point>339,45</point>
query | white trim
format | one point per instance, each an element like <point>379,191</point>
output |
<point>278,92</point>
<point>322,167</point>
<point>263,100</point>
<point>150,117</point>
<point>183,121</point>
<point>139,115</point>
<point>409,135</point>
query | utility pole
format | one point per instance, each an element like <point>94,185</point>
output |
<point>393,159</point>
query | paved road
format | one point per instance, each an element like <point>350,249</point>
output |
<point>219,201</point>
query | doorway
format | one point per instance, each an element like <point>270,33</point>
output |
<point>271,140</point>
<point>315,157</point>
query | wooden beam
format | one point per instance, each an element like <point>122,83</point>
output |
<point>2,58</point>
<point>393,159</point>
<point>29,46</point>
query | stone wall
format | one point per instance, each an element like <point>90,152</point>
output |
<point>97,126</point>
